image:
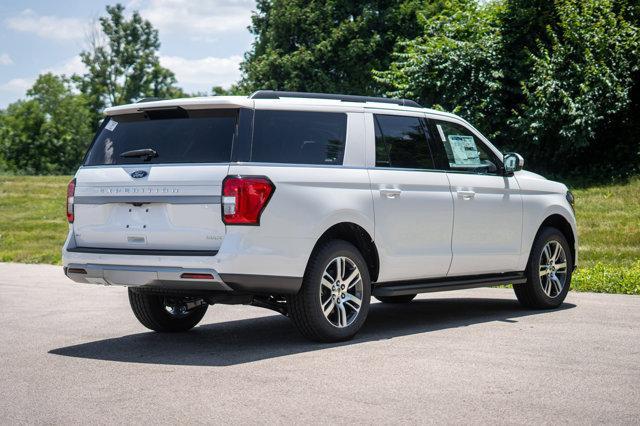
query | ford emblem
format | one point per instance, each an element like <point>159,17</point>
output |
<point>138,174</point>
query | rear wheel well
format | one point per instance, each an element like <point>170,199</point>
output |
<point>561,224</point>
<point>359,237</point>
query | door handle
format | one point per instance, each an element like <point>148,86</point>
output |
<point>390,193</point>
<point>466,195</point>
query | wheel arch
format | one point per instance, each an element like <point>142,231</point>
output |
<point>563,225</point>
<point>359,237</point>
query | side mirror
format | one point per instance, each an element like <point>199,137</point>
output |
<point>512,162</point>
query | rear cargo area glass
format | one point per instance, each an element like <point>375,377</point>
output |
<point>178,136</point>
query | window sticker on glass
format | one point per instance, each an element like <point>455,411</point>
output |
<point>111,125</point>
<point>464,150</point>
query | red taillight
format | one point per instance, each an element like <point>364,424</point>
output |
<point>194,276</point>
<point>71,189</point>
<point>244,198</point>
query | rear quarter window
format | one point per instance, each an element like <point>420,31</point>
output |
<point>298,137</point>
<point>177,136</point>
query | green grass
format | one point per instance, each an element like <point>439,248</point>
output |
<point>33,223</point>
<point>609,232</point>
<point>33,228</point>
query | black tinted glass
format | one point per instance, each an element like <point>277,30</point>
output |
<point>401,143</point>
<point>298,137</point>
<point>176,137</point>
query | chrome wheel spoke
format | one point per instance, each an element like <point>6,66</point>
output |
<point>340,264</point>
<point>556,252</point>
<point>342,316</point>
<point>543,270</point>
<point>352,279</point>
<point>560,266</point>
<point>328,306</point>
<point>328,281</point>
<point>557,284</point>
<point>546,285</point>
<point>352,300</point>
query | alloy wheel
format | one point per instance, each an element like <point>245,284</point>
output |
<point>553,268</point>
<point>341,292</point>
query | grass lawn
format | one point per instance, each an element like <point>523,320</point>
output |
<point>33,227</point>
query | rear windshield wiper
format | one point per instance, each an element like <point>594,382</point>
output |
<point>146,154</point>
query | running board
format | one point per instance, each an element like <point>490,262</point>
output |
<point>400,288</point>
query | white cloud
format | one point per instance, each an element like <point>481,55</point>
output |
<point>13,90</point>
<point>50,27</point>
<point>197,18</point>
<point>5,59</point>
<point>16,88</point>
<point>71,66</point>
<point>203,73</point>
<point>17,85</point>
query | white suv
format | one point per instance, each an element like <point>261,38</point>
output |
<point>308,204</point>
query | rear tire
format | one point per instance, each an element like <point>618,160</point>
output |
<point>405,298</point>
<point>164,314</point>
<point>336,281</point>
<point>548,272</point>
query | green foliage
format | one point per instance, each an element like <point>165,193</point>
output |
<point>580,92</point>
<point>453,65</point>
<point>557,81</point>
<point>234,90</point>
<point>122,63</point>
<point>604,278</point>
<point>325,46</point>
<point>49,132</point>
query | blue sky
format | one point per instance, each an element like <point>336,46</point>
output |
<point>202,40</point>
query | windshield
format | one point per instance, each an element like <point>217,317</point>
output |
<point>157,137</point>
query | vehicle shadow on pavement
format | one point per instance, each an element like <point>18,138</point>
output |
<point>242,341</point>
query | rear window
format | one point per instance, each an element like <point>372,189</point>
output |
<point>401,142</point>
<point>298,137</point>
<point>169,136</point>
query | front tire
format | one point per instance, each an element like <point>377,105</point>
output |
<point>548,272</point>
<point>333,302</point>
<point>166,314</point>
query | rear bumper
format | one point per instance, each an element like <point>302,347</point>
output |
<point>168,278</point>
<point>143,276</point>
<point>245,266</point>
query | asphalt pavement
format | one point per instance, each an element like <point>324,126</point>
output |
<point>74,353</point>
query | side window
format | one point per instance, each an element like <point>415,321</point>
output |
<point>298,137</point>
<point>401,142</point>
<point>465,152</point>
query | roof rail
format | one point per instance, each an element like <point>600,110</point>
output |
<point>150,99</point>
<point>276,94</point>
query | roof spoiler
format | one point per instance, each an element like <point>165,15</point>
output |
<point>276,94</point>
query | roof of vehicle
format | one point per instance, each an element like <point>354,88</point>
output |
<point>341,102</point>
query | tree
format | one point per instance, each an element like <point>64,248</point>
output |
<point>49,132</point>
<point>325,46</point>
<point>122,63</point>
<point>453,65</point>
<point>524,28</point>
<point>579,111</point>
<point>234,90</point>
<point>557,81</point>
